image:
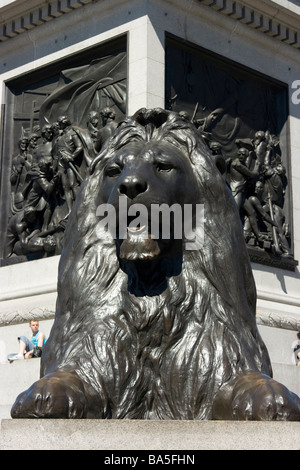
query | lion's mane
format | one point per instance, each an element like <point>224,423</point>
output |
<point>164,356</point>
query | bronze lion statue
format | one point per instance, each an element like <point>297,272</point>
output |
<point>146,328</point>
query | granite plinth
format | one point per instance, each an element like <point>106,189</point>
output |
<point>53,434</point>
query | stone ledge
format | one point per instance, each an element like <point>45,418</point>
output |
<point>279,23</point>
<point>52,434</point>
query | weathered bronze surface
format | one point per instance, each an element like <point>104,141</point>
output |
<point>239,114</point>
<point>146,328</point>
<point>243,117</point>
<point>64,123</point>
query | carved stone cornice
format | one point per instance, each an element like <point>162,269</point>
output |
<point>24,316</point>
<point>20,16</point>
<point>276,321</point>
<point>266,16</point>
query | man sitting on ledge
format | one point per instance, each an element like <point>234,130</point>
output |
<point>30,347</point>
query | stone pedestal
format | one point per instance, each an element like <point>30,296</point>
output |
<point>126,435</point>
<point>38,36</point>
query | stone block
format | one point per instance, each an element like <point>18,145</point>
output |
<point>15,378</point>
<point>52,434</point>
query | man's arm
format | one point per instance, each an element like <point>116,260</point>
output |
<point>244,170</point>
<point>41,338</point>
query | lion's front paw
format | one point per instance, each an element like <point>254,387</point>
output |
<point>258,397</point>
<point>57,395</point>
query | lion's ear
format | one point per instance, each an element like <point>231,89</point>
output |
<point>220,164</point>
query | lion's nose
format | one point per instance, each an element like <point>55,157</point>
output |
<point>132,186</point>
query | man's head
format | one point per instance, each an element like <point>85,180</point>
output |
<point>259,187</point>
<point>107,114</point>
<point>23,143</point>
<point>63,122</point>
<point>242,154</point>
<point>259,136</point>
<point>47,132</point>
<point>280,170</point>
<point>33,139</point>
<point>93,118</point>
<point>34,326</point>
<point>49,244</point>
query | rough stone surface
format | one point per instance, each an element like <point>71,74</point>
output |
<point>51,434</point>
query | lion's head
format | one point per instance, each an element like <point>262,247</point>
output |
<point>197,305</point>
<point>145,187</point>
<point>158,158</point>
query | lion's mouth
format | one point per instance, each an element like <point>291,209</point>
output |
<point>132,231</point>
<point>139,245</point>
<point>147,260</point>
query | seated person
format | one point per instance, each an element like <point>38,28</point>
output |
<point>30,347</point>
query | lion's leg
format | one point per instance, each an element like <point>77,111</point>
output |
<point>57,395</point>
<point>255,396</point>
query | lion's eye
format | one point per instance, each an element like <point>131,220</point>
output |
<point>164,166</point>
<point>113,171</point>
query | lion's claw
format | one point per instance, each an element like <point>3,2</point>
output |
<point>255,396</point>
<point>58,395</point>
